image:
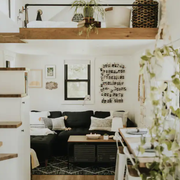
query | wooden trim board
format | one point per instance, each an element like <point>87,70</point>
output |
<point>4,157</point>
<point>6,124</point>
<point>1,143</point>
<point>10,38</point>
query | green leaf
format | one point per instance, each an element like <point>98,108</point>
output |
<point>175,146</point>
<point>141,149</point>
<point>158,55</point>
<point>169,145</point>
<point>155,102</point>
<point>167,50</point>
<point>148,53</point>
<point>153,88</point>
<point>145,58</point>
<point>176,82</point>
<point>143,176</point>
<point>152,75</point>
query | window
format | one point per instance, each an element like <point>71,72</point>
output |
<point>77,75</point>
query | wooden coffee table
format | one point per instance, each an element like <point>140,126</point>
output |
<point>91,150</point>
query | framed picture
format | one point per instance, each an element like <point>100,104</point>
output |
<point>50,71</point>
<point>35,78</point>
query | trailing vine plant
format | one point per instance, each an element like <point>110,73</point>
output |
<point>96,10</point>
<point>164,139</point>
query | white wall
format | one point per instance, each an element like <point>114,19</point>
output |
<point>43,99</point>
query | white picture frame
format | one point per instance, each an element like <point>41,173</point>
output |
<point>35,78</point>
<point>50,71</point>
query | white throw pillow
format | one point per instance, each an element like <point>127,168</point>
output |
<point>36,118</point>
<point>100,124</point>
<point>123,115</point>
<point>58,124</point>
<point>116,124</point>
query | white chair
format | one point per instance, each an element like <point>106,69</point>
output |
<point>131,173</point>
<point>121,158</point>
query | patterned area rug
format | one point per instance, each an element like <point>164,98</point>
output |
<point>59,166</point>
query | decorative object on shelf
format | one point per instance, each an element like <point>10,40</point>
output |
<point>112,83</point>
<point>90,8</point>
<point>7,64</point>
<point>106,137</point>
<point>51,85</point>
<point>35,78</point>
<point>50,71</point>
<point>93,136</point>
<point>77,17</point>
<point>86,22</point>
<point>39,14</point>
<point>159,103</point>
<point>117,17</point>
<point>145,16</point>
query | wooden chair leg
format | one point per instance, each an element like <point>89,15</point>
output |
<point>46,162</point>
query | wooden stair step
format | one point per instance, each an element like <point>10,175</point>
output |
<point>8,124</point>
<point>1,143</point>
<point>12,95</point>
<point>7,156</point>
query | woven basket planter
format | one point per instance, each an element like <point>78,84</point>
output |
<point>145,16</point>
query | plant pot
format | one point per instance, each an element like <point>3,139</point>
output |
<point>88,11</point>
<point>106,137</point>
<point>164,69</point>
<point>118,17</point>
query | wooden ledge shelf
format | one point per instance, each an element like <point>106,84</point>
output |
<point>10,38</point>
<point>73,33</point>
<point>14,69</point>
<point>103,33</point>
<point>1,143</point>
<point>12,95</point>
<point>11,125</point>
<point>4,157</point>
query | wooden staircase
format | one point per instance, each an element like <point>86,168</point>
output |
<point>3,156</point>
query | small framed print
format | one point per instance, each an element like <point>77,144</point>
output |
<point>35,78</point>
<point>50,71</point>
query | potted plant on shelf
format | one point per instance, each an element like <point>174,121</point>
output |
<point>105,136</point>
<point>91,10</point>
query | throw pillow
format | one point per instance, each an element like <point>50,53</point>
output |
<point>54,123</point>
<point>36,118</point>
<point>100,124</point>
<point>123,115</point>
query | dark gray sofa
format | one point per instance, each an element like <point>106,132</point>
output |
<point>56,144</point>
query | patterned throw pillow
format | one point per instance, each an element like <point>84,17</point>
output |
<point>54,123</point>
<point>123,115</point>
<point>100,124</point>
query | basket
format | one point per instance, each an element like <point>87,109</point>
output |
<point>145,16</point>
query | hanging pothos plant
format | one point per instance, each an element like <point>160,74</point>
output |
<point>89,12</point>
<point>160,69</point>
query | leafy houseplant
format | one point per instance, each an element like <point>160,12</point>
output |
<point>90,9</point>
<point>161,69</point>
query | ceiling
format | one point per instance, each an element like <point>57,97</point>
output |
<point>79,47</point>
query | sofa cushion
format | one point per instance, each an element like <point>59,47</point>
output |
<point>53,114</point>
<point>101,114</point>
<point>78,119</point>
